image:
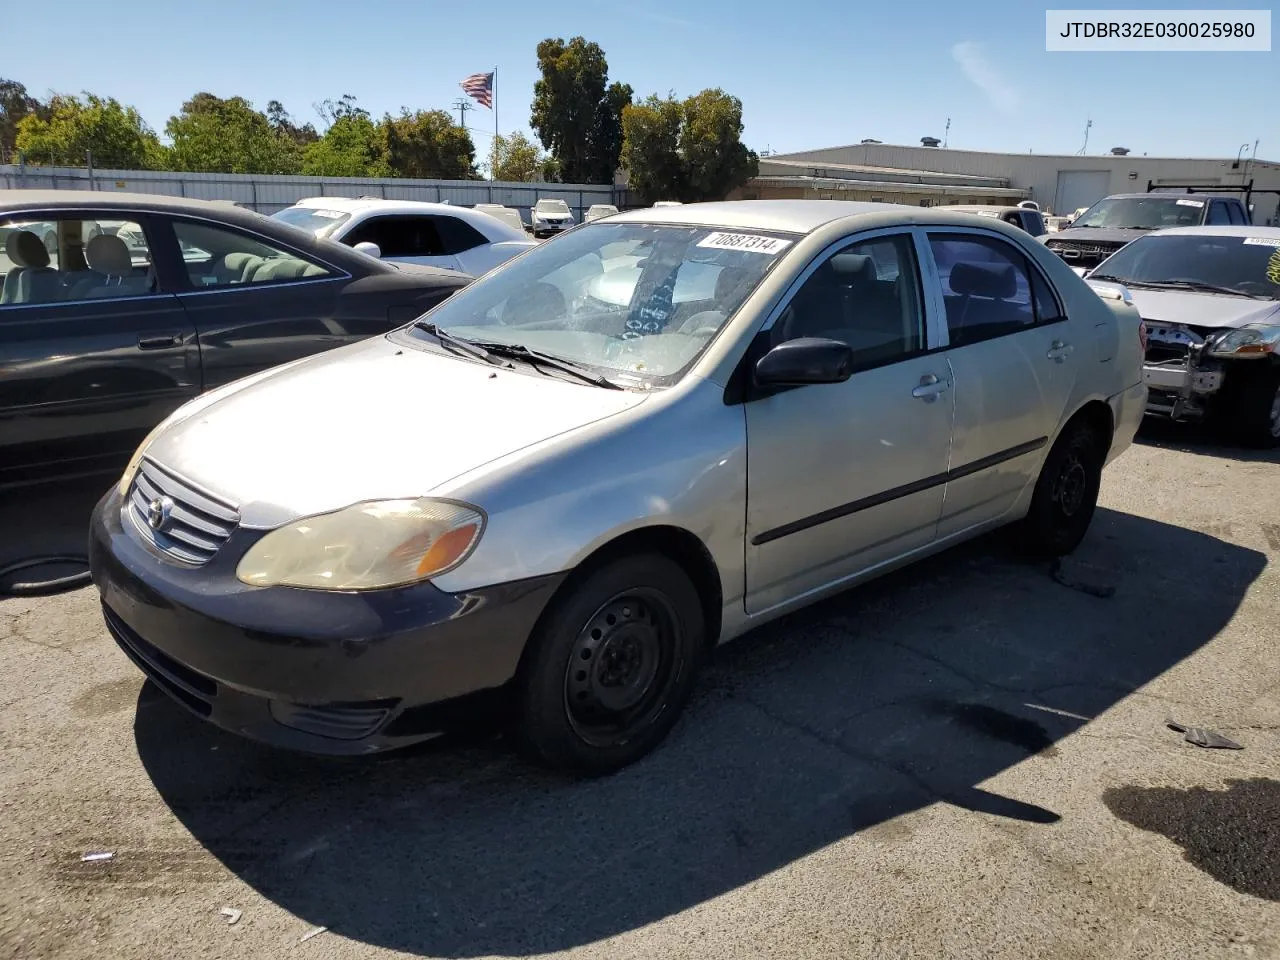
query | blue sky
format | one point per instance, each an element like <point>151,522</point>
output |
<point>822,73</point>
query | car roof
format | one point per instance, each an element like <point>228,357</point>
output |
<point>791,216</point>
<point>21,201</point>
<point>1177,195</point>
<point>1269,233</point>
<point>984,206</point>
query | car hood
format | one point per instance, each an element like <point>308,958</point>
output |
<point>376,420</point>
<point>1195,309</point>
<point>1095,234</point>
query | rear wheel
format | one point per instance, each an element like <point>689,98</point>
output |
<point>1066,493</point>
<point>612,666</point>
<point>1249,406</point>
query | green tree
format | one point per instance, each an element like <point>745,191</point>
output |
<point>428,144</point>
<point>331,111</point>
<point>687,150</point>
<point>283,125</point>
<point>353,146</point>
<point>73,128</point>
<point>577,113</point>
<point>15,103</point>
<point>213,135</point>
<point>517,159</point>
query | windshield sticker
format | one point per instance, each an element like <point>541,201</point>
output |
<point>327,214</point>
<point>1190,203</point>
<point>745,241</point>
<point>1262,241</point>
<point>1273,268</point>
<point>988,213</point>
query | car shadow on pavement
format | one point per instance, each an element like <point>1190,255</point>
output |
<point>913,690</point>
<point>1199,438</point>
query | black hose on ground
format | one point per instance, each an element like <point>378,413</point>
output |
<point>41,588</point>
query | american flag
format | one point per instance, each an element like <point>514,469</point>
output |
<point>479,87</point>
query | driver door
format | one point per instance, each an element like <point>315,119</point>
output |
<point>844,477</point>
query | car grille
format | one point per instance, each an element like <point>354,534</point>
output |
<point>188,526</point>
<point>1075,251</point>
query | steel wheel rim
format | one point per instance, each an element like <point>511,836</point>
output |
<point>622,663</point>
<point>1070,487</point>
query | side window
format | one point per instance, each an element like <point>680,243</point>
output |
<point>217,257</point>
<point>868,296</point>
<point>399,236</point>
<point>987,287</point>
<point>71,259</point>
<point>1218,214</point>
<point>458,236</point>
<point>1235,213</point>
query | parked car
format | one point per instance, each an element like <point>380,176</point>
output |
<point>101,340</point>
<point>505,214</point>
<point>633,482</point>
<point>1113,221</point>
<point>598,211</point>
<point>1024,218</point>
<point>549,217</point>
<point>410,231</point>
<point>1210,297</point>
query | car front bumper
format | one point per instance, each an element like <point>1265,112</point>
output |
<point>331,673</point>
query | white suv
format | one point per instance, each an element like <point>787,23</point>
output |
<point>550,216</point>
<point>410,231</point>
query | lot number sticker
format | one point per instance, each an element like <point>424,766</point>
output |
<point>1191,203</point>
<point>1262,241</point>
<point>745,241</point>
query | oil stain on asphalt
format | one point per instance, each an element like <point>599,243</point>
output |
<point>1001,725</point>
<point>1233,835</point>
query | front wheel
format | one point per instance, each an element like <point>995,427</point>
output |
<point>1249,407</point>
<point>1066,493</point>
<point>611,667</point>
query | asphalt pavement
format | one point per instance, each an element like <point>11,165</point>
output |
<point>968,758</point>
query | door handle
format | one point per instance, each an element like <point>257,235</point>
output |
<point>930,388</point>
<point>160,342</point>
<point>1059,350</point>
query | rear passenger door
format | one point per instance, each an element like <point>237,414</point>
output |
<point>95,348</point>
<point>1014,358</point>
<point>255,303</point>
<point>409,238</point>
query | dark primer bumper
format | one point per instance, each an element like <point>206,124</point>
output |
<point>333,673</point>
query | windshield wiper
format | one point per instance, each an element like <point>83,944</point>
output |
<point>1207,287</point>
<point>1108,276</point>
<point>535,359</point>
<point>457,344</point>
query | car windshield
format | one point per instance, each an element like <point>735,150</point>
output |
<point>1143,213</point>
<point>552,206</point>
<point>313,219</point>
<point>1249,266</point>
<point>636,302</point>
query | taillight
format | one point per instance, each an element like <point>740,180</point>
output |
<point>1142,334</point>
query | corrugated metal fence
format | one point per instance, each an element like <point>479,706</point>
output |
<point>267,194</point>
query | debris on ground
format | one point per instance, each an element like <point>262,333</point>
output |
<point>1103,590</point>
<point>312,933</point>
<point>231,913</point>
<point>96,857</point>
<point>1204,737</point>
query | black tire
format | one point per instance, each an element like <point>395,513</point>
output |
<point>1248,409</point>
<point>611,666</point>
<point>1066,493</point>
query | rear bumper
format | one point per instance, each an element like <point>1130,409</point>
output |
<point>1127,409</point>
<point>335,673</point>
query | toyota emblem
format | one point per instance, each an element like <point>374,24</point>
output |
<point>158,511</point>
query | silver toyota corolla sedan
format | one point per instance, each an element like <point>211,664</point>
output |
<point>552,494</point>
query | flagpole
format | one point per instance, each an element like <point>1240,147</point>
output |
<point>495,102</point>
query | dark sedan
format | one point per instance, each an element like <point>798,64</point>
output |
<point>144,302</point>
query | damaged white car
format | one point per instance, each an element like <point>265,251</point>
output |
<point>1210,297</point>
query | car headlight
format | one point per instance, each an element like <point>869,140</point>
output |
<point>1255,340</point>
<point>368,546</point>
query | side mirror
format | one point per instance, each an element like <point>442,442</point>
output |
<point>370,249</point>
<point>805,361</point>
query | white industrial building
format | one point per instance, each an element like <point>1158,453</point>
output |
<point>930,175</point>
